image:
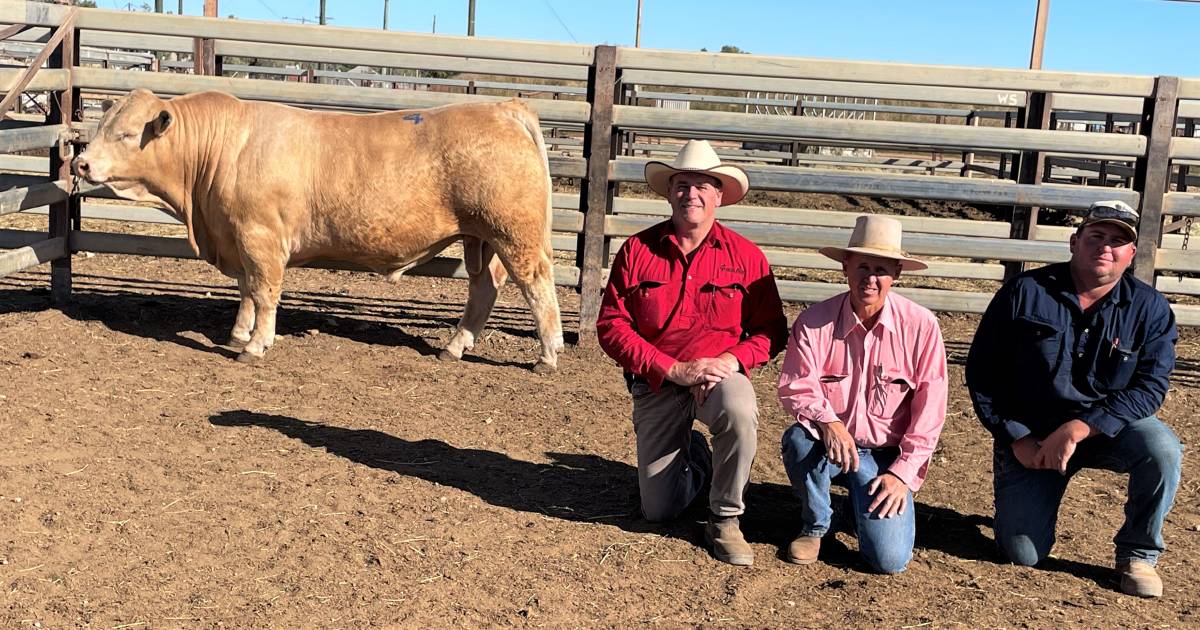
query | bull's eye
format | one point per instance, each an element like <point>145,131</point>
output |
<point>125,136</point>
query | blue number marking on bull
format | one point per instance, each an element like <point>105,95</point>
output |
<point>415,117</point>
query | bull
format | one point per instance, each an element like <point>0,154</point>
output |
<point>261,187</point>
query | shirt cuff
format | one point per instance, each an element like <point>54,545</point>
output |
<point>908,472</point>
<point>1104,422</point>
<point>659,366</point>
<point>743,356</point>
<point>1015,430</point>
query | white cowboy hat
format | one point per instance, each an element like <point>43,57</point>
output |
<point>876,235</point>
<point>697,156</point>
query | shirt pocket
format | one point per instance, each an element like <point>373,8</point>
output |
<point>650,303</point>
<point>889,392</point>
<point>1115,366</point>
<point>833,390</point>
<point>722,305</point>
<point>1036,343</point>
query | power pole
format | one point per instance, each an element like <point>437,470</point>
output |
<point>470,18</point>
<point>1039,34</point>
<point>385,8</point>
<point>158,6</point>
<point>180,12</point>
<point>435,24</point>
<point>637,35</point>
<point>322,12</point>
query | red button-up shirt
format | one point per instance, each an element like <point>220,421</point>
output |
<point>660,308</point>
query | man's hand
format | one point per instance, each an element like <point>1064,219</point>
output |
<point>1057,449</point>
<point>891,495</point>
<point>840,449</point>
<point>1026,451</point>
<point>705,370</point>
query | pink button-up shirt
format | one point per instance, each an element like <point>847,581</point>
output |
<point>887,385</point>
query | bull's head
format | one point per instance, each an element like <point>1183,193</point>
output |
<point>123,149</point>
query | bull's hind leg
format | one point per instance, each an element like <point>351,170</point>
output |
<point>264,267</point>
<point>533,272</point>
<point>240,335</point>
<point>486,275</point>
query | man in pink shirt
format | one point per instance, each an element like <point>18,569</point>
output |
<point>865,379</point>
<point>690,308</point>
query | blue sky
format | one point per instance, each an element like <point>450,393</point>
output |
<point>1148,37</point>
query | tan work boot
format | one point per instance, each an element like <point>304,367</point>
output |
<point>804,549</point>
<point>1138,578</point>
<point>724,537</point>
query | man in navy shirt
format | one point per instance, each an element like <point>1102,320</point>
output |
<point>1067,369</point>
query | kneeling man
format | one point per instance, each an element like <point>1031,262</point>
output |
<point>1067,370</point>
<point>865,380</point>
<point>690,308</point>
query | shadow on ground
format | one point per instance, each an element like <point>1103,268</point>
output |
<point>589,488</point>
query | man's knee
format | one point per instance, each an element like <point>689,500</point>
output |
<point>889,560</point>
<point>739,402</point>
<point>1164,450</point>
<point>660,512</point>
<point>1021,549</point>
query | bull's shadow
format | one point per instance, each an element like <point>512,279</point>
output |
<point>590,488</point>
<point>175,310</point>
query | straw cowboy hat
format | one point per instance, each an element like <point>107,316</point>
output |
<point>876,235</point>
<point>697,156</point>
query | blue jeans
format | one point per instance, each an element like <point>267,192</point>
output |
<point>1027,500</point>
<point>885,543</point>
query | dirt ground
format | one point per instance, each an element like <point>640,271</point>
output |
<point>353,479</point>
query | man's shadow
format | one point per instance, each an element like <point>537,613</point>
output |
<point>573,487</point>
<point>589,488</point>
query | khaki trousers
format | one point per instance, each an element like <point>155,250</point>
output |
<point>674,462</point>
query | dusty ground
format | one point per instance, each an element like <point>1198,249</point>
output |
<point>354,480</point>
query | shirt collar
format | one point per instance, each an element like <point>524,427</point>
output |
<point>1120,293</point>
<point>848,321</point>
<point>715,238</point>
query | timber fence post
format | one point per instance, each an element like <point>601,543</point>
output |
<point>1152,172</point>
<point>1029,171</point>
<point>596,190</point>
<point>64,110</point>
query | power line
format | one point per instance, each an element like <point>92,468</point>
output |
<point>560,21</point>
<point>268,7</point>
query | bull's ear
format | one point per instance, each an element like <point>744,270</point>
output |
<point>106,105</point>
<point>162,122</point>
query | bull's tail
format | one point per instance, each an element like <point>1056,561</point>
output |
<point>534,127</point>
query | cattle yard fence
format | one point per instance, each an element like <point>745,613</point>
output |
<point>1031,142</point>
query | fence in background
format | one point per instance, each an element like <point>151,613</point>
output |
<point>600,108</point>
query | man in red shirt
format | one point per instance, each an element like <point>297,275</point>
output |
<point>690,308</point>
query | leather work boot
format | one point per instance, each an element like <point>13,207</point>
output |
<point>724,537</point>
<point>804,549</point>
<point>1138,578</point>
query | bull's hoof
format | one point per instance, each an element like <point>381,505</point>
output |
<point>543,368</point>
<point>249,359</point>
<point>446,355</point>
<point>235,342</point>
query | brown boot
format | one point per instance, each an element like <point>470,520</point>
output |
<point>724,537</point>
<point>1138,578</point>
<point>804,549</point>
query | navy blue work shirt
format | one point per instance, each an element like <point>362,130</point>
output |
<point>1038,360</point>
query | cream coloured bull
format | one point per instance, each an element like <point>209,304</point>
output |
<point>262,187</point>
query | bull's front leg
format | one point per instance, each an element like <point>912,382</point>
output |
<point>264,282</point>
<point>240,335</point>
